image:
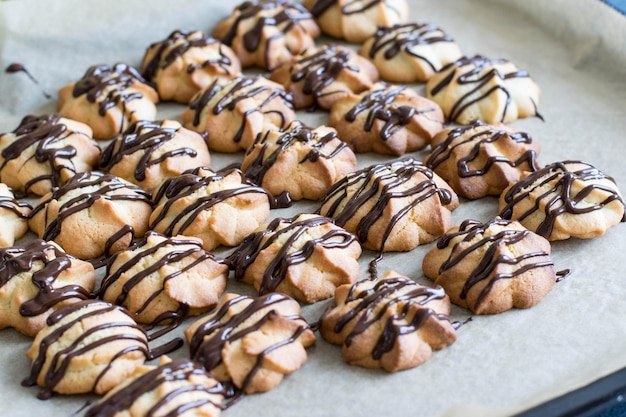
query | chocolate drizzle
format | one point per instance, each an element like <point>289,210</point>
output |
<point>147,137</point>
<point>380,105</point>
<point>60,362</point>
<point>177,370</point>
<point>209,339</point>
<point>480,73</point>
<point>371,307</point>
<point>405,37</point>
<point>565,192</point>
<point>295,133</point>
<point>490,246</point>
<point>44,132</point>
<point>176,45</point>
<point>109,187</point>
<point>382,183</point>
<point>349,7</point>
<point>11,204</point>
<point>286,16</point>
<point>288,255</point>
<point>16,67</point>
<point>21,259</point>
<point>181,249</point>
<point>483,135</point>
<point>230,93</point>
<point>109,86</point>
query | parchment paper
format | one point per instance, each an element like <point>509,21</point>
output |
<point>574,49</point>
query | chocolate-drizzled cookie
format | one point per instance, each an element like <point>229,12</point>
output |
<point>356,20</point>
<point>305,257</point>
<point>186,62</point>
<point>267,33</point>
<point>174,388</point>
<point>252,342</point>
<point>13,217</point>
<point>108,99</point>
<point>299,160</point>
<point>37,279</point>
<point>93,214</point>
<point>492,267</point>
<point>391,323</point>
<point>392,207</point>
<point>478,88</point>
<point>148,153</point>
<point>482,159</point>
<point>163,280</point>
<point>218,208</point>
<point>410,52</point>
<point>44,152</point>
<point>564,199</point>
<point>320,76</point>
<point>233,112</point>
<point>386,119</point>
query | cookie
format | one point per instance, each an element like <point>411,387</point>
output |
<point>187,62</point>
<point>148,153</point>
<point>481,159</point>
<point>163,280</point>
<point>233,112</point>
<point>392,207</point>
<point>108,99</point>
<point>356,20</point>
<point>251,342</point>
<point>267,33</point>
<point>391,323</point>
<point>89,346</point>
<point>93,214</point>
<point>174,388</point>
<point>13,217</point>
<point>37,279</point>
<point>478,88</point>
<point>389,120</point>
<point>564,199</point>
<point>44,152</point>
<point>320,76</point>
<point>299,160</point>
<point>305,257</point>
<point>218,208</point>
<point>492,267</point>
<point>410,52</point>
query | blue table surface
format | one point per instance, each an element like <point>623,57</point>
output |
<point>617,4</point>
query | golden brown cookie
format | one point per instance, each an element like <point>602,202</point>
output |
<point>187,62</point>
<point>320,76</point>
<point>148,153</point>
<point>410,52</point>
<point>356,20</point>
<point>174,388</point>
<point>392,207</point>
<point>108,99</point>
<point>564,199</point>
<point>218,208</point>
<point>13,217</point>
<point>299,160</point>
<point>479,88</point>
<point>44,152</point>
<point>233,112</point>
<point>163,280</point>
<point>391,323</point>
<point>88,346</point>
<point>267,33</point>
<point>482,159</point>
<point>93,214</point>
<point>386,119</point>
<point>37,279</point>
<point>492,267</point>
<point>306,257</point>
<point>253,342</point>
